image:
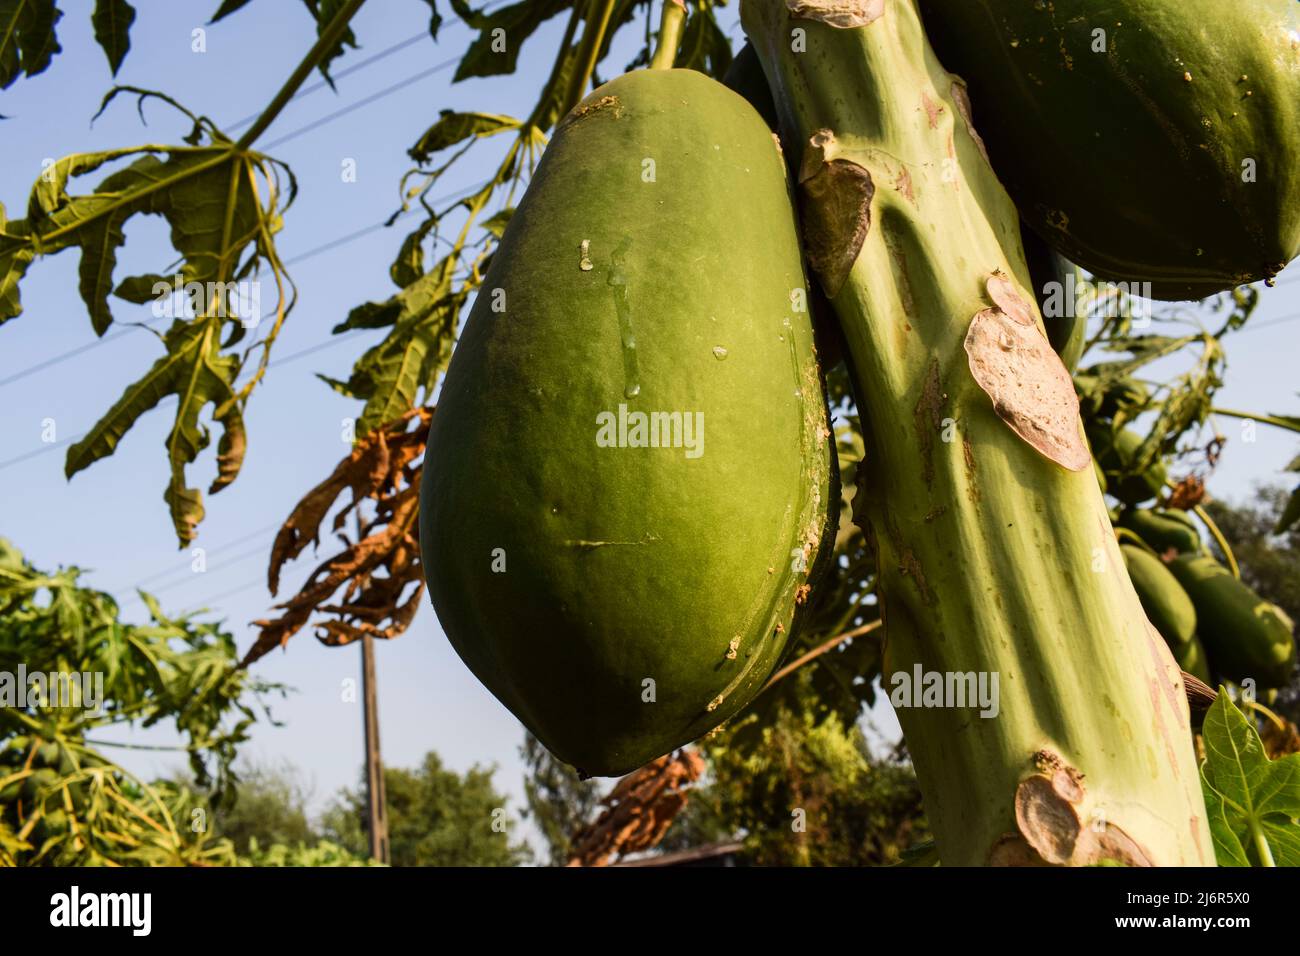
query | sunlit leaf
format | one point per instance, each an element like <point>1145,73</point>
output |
<point>112,21</point>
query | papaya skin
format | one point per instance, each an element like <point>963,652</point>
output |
<point>1162,530</point>
<point>1169,157</point>
<point>995,552</point>
<point>1245,637</point>
<point>1167,605</point>
<point>645,595</point>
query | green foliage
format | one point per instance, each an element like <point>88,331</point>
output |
<point>209,194</point>
<point>436,817</point>
<point>559,801</point>
<point>28,41</point>
<point>266,808</point>
<point>112,21</point>
<point>804,792</point>
<point>320,853</point>
<point>62,801</point>
<point>1253,802</point>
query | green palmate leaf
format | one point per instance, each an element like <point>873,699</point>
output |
<point>324,11</point>
<point>194,370</point>
<point>27,38</point>
<point>452,128</point>
<point>112,21</point>
<point>501,34</point>
<point>209,196</point>
<point>496,223</point>
<point>227,8</point>
<point>435,18</point>
<point>423,319</point>
<point>1291,513</point>
<point>1254,802</point>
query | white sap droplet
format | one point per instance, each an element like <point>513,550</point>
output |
<point>719,352</point>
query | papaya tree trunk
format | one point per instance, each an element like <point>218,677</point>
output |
<point>999,571</point>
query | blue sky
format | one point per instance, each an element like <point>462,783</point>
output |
<point>111,518</point>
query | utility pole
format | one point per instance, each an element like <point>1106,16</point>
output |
<point>376,799</point>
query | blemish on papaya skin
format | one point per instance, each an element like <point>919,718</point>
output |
<point>938,512</point>
<point>932,109</point>
<point>584,256</point>
<point>903,185</point>
<point>901,274</point>
<point>845,14</point>
<point>835,211</point>
<point>961,99</point>
<point>1031,390</point>
<point>606,104</point>
<point>801,593</point>
<point>732,648</point>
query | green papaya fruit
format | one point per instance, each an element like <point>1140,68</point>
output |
<point>1163,529</point>
<point>745,76</point>
<point>1244,635</point>
<point>1191,658</point>
<point>1147,140</point>
<point>621,585</point>
<point>1167,605</point>
<point>1052,273</point>
<point>1117,455</point>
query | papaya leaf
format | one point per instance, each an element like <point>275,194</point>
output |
<point>501,34</point>
<point>409,264</point>
<point>496,224</point>
<point>211,197</point>
<point>324,11</point>
<point>1291,513</point>
<point>423,319</point>
<point>1254,802</point>
<point>112,21</point>
<point>27,38</point>
<point>227,8</point>
<point>435,19</point>
<point>452,128</point>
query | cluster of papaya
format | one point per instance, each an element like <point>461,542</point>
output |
<point>623,585</point>
<point>1149,141</point>
<point>1217,627</point>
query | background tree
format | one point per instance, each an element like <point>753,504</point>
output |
<point>436,817</point>
<point>559,802</point>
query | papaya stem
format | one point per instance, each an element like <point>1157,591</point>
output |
<point>1266,419</point>
<point>324,43</point>
<point>670,35</point>
<point>821,649</point>
<point>593,37</point>
<point>1219,539</point>
<point>1261,844</point>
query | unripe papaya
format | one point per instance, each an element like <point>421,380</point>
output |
<point>1167,605</point>
<point>1117,455</point>
<point>621,585</point>
<point>1191,657</point>
<point>1164,529</point>
<point>1147,140</point>
<point>1245,636</point>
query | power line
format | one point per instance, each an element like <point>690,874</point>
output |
<point>353,107</point>
<point>321,84</point>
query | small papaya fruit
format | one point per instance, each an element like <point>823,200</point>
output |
<point>1245,637</point>
<point>1147,140</point>
<point>1163,529</point>
<point>1167,605</point>
<point>1191,657</point>
<point>1117,455</point>
<point>619,582</point>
